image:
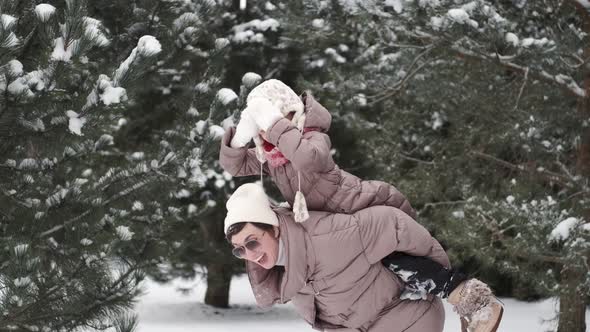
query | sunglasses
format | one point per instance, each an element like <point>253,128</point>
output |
<point>251,245</point>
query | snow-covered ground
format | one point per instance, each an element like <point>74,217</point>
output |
<point>164,308</point>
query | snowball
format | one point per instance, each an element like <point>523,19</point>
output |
<point>216,131</point>
<point>44,12</point>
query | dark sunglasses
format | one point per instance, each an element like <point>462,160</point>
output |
<point>251,245</point>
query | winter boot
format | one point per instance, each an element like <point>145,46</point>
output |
<point>474,302</point>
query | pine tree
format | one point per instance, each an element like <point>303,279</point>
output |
<point>63,263</point>
<point>478,110</point>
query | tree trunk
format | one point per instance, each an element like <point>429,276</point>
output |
<point>572,304</point>
<point>219,263</point>
<point>218,282</point>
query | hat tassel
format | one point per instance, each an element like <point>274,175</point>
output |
<point>299,205</point>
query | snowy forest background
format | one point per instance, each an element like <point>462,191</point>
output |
<point>111,113</point>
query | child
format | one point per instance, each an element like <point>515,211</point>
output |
<point>292,146</point>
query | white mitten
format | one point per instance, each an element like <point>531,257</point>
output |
<point>264,113</point>
<point>245,131</point>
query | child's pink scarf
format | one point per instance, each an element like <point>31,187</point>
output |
<point>273,156</point>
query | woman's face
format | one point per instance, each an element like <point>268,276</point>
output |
<point>266,252</point>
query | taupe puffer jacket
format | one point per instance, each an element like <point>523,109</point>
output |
<point>334,277</point>
<point>325,186</point>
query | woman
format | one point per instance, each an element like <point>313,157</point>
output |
<point>293,147</point>
<point>330,266</point>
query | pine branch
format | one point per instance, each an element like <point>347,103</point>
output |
<point>550,176</point>
<point>105,203</point>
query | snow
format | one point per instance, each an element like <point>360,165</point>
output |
<point>250,79</point>
<point>63,52</point>
<point>337,57</point>
<point>243,4</point>
<point>397,5</point>
<point>148,46</point>
<point>93,31</point>
<point>7,21</point>
<point>512,39</point>
<point>76,123</point>
<point>15,67</point>
<point>22,281</point>
<point>113,95</point>
<point>165,308</point>
<point>221,43</point>
<point>26,84</point>
<point>216,132</point>
<point>226,96</point>
<point>10,41</point>
<point>44,11</point>
<point>244,32</point>
<point>459,15</point>
<point>584,3</point>
<point>318,23</point>
<point>124,233</point>
<point>562,231</point>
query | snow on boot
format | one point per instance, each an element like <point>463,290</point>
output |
<point>474,301</point>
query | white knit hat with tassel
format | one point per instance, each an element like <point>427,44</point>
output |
<point>287,101</point>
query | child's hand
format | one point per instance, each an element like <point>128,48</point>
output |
<point>263,112</point>
<point>245,131</point>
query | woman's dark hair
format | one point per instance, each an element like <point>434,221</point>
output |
<point>237,227</point>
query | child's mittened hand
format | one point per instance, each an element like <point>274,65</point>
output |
<point>264,113</point>
<point>245,131</point>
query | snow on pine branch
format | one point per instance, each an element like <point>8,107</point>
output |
<point>226,96</point>
<point>111,92</point>
<point>562,231</point>
<point>147,47</point>
<point>251,31</point>
<point>64,47</point>
<point>44,11</point>
<point>564,81</point>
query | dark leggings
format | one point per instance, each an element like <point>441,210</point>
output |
<point>422,275</point>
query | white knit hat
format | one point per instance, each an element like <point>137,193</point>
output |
<point>283,97</point>
<point>249,203</point>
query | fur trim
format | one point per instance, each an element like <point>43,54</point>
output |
<point>474,296</point>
